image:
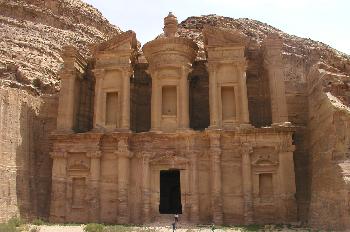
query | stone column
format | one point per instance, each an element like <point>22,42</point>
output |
<point>286,179</point>
<point>216,188</point>
<point>66,107</point>
<point>244,96</point>
<point>145,191</point>
<point>124,156</point>
<point>194,187</point>
<point>125,125</point>
<point>59,187</point>
<point>274,67</point>
<point>213,97</point>
<point>98,101</point>
<point>155,104</point>
<point>94,186</point>
<point>184,118</point>
<point>246,150</point>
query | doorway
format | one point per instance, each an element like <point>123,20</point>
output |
<point>170,192</point>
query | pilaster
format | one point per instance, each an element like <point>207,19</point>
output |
<point>216,182</point>
<point>145,188</point>
<point>123,154</point>
<point>194,187</point>
<point>94,185</point>
<point>59,187</point>
<point>246,151</point>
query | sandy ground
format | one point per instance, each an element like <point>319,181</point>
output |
<point>157,229</point>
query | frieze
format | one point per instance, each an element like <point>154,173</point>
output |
<point>94,154</point>
<point>58,154</point>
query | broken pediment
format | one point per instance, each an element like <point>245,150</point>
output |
<point>124,41</point>
<point>214,36</point>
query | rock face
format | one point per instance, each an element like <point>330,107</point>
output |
<point>32,34</point>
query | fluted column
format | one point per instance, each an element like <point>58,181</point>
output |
<point>126,99</point>
<point>216,185</point>
<point>194,188</point>
<point>98,101</point>
<point>124,156</point>
<point>59,187</point>
<point>145,191</point>
<point>155,104</point>
<point>66,107</point>
<point>94,186</point>
<point>246,150</point>
<point>213,97</point>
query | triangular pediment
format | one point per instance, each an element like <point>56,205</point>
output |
<point>124,41</point>
<point>214,36</point>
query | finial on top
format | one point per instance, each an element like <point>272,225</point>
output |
<point>170,25</point>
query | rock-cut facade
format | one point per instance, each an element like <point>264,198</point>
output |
<point>144,134</point>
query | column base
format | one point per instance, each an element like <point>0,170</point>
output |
<point>182,130</point>
<point>281,124</point>
<point>156,130</point>
<point>63,131</point>
<point>123,130</point>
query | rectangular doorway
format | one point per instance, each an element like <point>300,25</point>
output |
<point>170,192</point>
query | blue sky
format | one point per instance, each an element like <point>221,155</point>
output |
<point>327,21</point>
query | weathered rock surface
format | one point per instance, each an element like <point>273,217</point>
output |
<point>32,33</point>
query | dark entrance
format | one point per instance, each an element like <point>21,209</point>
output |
<point>170,192</point>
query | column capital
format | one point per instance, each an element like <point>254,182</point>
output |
<point>246,148</point>
<point>94,154</point>
<point>126,69</point>
<point>211,66</point>
<point>145,155</point>
<point>124,154</point>
<point>99,73</point>
<point>58,155</point>
<point>285,147</point>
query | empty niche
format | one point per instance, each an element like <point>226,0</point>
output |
<point>265,185</point>
<point>112,108</point>
<point>78,192</point>
<point>169,101</point>
<point>228,103</point>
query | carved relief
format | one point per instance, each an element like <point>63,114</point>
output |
<point>78,162</point>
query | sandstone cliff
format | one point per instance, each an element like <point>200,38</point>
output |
<point>32,33</point>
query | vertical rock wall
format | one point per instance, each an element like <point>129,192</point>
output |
<point>25,166</point>
<point>329,129</point>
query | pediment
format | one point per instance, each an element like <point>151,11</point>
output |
<point>124,41</point>
<point>214,36</point>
